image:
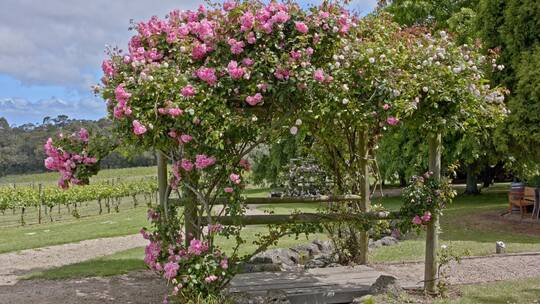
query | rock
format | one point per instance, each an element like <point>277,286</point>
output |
<point>364,299</point>
<point>317,263</point>
<point>386,284</point>
<point>325,247</point>
<point>309,250</point>
<point>280,256</point>
<point>276,296</point>
<point>389,241</point>
<point>375,244</point>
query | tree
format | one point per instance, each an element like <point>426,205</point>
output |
<point>512,27</point>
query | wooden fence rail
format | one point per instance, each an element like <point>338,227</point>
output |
<point>282,200</point>
<point>266,219</point>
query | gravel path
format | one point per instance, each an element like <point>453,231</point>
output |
<point>18,263</point>
<point>472,270</point>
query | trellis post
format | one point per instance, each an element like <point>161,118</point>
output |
<point>432,235</point>
<point>364,193</point>
<point>162,180</point>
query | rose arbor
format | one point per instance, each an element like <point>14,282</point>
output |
<point>205,87</point>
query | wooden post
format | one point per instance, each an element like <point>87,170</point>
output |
<point>162,180</point>
<point>432,235</point>
<point>364,193</point>
<point>40,203</point>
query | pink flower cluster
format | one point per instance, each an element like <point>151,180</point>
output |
<point>254,100</point>
<point>138,128</point>
<point>197,247</point>
<point>181,138</point>
<point>424,219</point>
<point>122,97</point>
<point>65,162</point>
<point>234,70</point>
<point>207,75</point>
<point>392,120</point>
<point>202,161</point>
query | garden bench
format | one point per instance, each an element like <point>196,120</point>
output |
<point>521,197</point>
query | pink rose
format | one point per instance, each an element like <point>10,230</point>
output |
<point>319,75</point>
<point>138,128</point>
<point>386,106</point>
<point>174,112</point>
<point>301,27</point>
<point>417,220</point>
<point>235,178</point>
<point>228,190</point>
<point>187,165</point>
<point>426,217</point>
<point>392,120</point>
<point>188,91</point>
<point>254,100</point>
<point>184,138</point>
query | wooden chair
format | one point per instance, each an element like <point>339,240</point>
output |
<point>521,197</point>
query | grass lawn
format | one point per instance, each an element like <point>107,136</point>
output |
<point>128,221</point>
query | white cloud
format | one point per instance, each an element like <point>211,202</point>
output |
<point>58,42</point>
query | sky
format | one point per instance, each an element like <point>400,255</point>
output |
<point>51,51</point>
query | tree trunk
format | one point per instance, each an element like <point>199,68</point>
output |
<point>432,235</point>
<point>472,181</point>
<point>402,180</point>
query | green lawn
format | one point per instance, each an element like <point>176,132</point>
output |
<point>125,222</point>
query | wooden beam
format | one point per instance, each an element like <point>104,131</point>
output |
<point>266,219</point>
<point>284,200</point>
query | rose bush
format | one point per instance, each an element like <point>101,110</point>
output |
<point>76,156</point>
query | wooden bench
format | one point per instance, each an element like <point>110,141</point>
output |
<point>521,197</point>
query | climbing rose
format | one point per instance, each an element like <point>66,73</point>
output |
<point>392,121</point>
<point>187,165</point>
<point>188,91</point>
<point>237,47</point>
<point>138,128</point>
<point>196,247</point>
<point>199,51</point>
<point>83,135</point>
<point>210,278</point>
<point>174,112</point>
<point>426,217</point>
<point>301,27</point>
<point>207,75</point>
<point>417,220</point>
<point>254,100</point>
<point>318,75</point>
<point>386,106</point>
<point>184,138</point>
<point>202,161</point>
<point>171,269</point>
<point>228,189</point>
<point>234,71</point>
<point>235,178</point>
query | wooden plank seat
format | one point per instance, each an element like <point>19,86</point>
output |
<point>521,197</point>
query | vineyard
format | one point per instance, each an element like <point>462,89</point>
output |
<point>40,203</point>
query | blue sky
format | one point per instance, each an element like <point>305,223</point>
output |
<point>51,51</point>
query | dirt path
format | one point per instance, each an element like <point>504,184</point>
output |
<point>473,270</point>
<point>14,264</point>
